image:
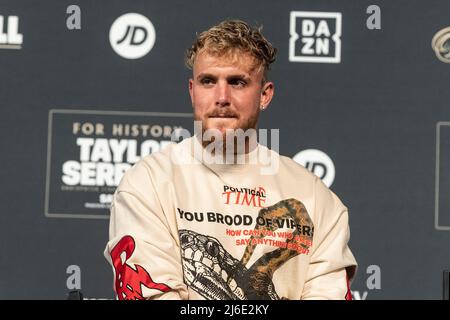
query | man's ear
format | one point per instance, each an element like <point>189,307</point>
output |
<point>191,93</point>
<point>267,92</point>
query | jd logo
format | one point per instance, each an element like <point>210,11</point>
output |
<point>132,36</point>
<point>10,38</point>
<point>318,163</point>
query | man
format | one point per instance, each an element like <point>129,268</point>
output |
<point>202,220</point>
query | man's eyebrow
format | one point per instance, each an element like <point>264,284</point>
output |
<point>230,77</point>
<point>238,76</point>
<point>205,75</point>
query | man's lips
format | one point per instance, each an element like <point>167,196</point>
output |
<point>222,115</point>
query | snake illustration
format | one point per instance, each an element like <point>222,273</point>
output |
<point>215,274</point>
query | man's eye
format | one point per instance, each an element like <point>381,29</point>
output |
<point>238,82</point>
<point>206,81</point>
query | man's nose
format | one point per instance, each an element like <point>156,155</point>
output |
<point>222,94</point>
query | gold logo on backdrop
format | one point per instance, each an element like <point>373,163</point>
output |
<point>441,44</point>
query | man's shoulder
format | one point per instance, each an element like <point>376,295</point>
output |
<point>288,165</point>
<point>299,172</point>
<point>170,154</point>
<point>159,164</point>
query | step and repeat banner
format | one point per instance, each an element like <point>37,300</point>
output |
<point>87,88</point>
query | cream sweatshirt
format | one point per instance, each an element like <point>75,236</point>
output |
<point>182,227</point>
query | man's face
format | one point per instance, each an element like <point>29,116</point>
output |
<point>227,92</point>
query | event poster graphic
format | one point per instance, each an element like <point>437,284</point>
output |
<point>90,150</point>
<point>442,205</point>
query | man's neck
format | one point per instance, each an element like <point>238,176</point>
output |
<point>232,151</point>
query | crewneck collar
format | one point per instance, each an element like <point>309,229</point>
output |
<point>218,164</point>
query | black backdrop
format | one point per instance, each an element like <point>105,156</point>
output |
<point>379,114</point>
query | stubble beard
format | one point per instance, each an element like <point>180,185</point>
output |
<point>250,142</point>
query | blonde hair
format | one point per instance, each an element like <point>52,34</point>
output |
<point>230,37</point>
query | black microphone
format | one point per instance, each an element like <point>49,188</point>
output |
<point>75,295</point>
<point>446,286</point>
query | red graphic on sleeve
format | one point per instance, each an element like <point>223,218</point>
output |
<point>348,295</point>
<point>128,280</point>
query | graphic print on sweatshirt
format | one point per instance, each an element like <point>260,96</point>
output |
<point>130,280</point>
<point>216,275</point>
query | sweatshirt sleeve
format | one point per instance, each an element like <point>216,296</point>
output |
<point>143,247</point>
<point>332,265</point>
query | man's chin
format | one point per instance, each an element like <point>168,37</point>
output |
<point>222,124</point>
